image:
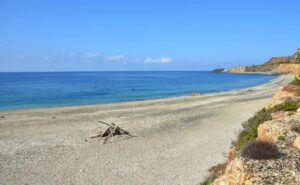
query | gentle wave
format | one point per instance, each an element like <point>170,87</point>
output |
<point>32,90</point>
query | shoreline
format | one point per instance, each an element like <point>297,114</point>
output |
<point>177,139</point>
<point>7,111</point>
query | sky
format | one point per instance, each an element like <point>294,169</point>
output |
<point>144,35</point>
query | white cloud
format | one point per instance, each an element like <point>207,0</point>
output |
<point>163,60</point>
<point>70,53</point>
<point>115,58</point>
<point>84,56</point>
<point>92,55</point>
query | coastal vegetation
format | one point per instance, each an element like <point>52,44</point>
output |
<point>247,145</point>
<point>269,134</point>
<point>296,81</point>
<point>288,105</point>
<point>249,132</point>
<point>281,138</point>
<point>207,181</point>
<point>250,127</point>
<point>296,128</point>
<point>261,150</point>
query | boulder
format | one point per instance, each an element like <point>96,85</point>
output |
<point>196,94</point>
<point>235,173</point>
<point>269,131</point>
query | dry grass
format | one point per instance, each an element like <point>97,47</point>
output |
<point>261,150</point>
<point>295,89</point>
<point>218,169</point>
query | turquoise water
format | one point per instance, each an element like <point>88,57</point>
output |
<point>32,90</point>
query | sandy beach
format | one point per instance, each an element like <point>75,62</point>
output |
<point>175,140</point>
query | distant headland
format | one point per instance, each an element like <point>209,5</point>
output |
<point>276,65</point>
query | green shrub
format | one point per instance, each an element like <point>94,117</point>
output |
<point>207,181</point>
<point>288,105</point>
<point>296,81</point>
<point>281,138</point>
<point>250,128</point>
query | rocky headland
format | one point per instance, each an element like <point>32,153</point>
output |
<point>276,65</point>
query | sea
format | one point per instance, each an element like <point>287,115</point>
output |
<point>53,89</point>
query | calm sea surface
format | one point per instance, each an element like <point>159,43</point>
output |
<point>31,90</point>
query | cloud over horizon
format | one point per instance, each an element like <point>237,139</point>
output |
<point>163,60</point>
<point>116,58</point>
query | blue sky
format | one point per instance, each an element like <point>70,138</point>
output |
<point>78,35</point>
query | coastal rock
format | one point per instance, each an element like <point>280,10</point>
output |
<point>279,60</point>
<point>279,97</point>
<point>279,115</point>
<point>238,69</point>
<point>244,171</point>
<point>295,89</point>
<point>284,170</point>
<point>297,142</point>
<point>219,70</point>
<point>287,92</point>
<point>286,64</point>
<point>219,169</point>
<point>268,131</point>
<point>288,68</point>
<point>231,154</point>
<point>235,173</point>
<point>271,130</point>
<point>196,94</point>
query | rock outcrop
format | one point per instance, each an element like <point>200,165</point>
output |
<point>238,69</point>
<point>291,92</point>
<point>279,97</point>
<point>285,170</point>
<point>288,64</point>
<point>279,60</point>
<point>280,132</point>
<point>287,68</point>
<point>283,131</point>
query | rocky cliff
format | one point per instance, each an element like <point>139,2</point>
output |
<point>287,68</point>
<point>279,60</point>
<point>238,69</point>
<point>284,170</point>
<point>280,130</point>
<point>288,64</point>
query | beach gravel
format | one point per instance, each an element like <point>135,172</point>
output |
<point>175,140</point>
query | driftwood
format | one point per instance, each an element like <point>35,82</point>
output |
<point>111,131</point>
